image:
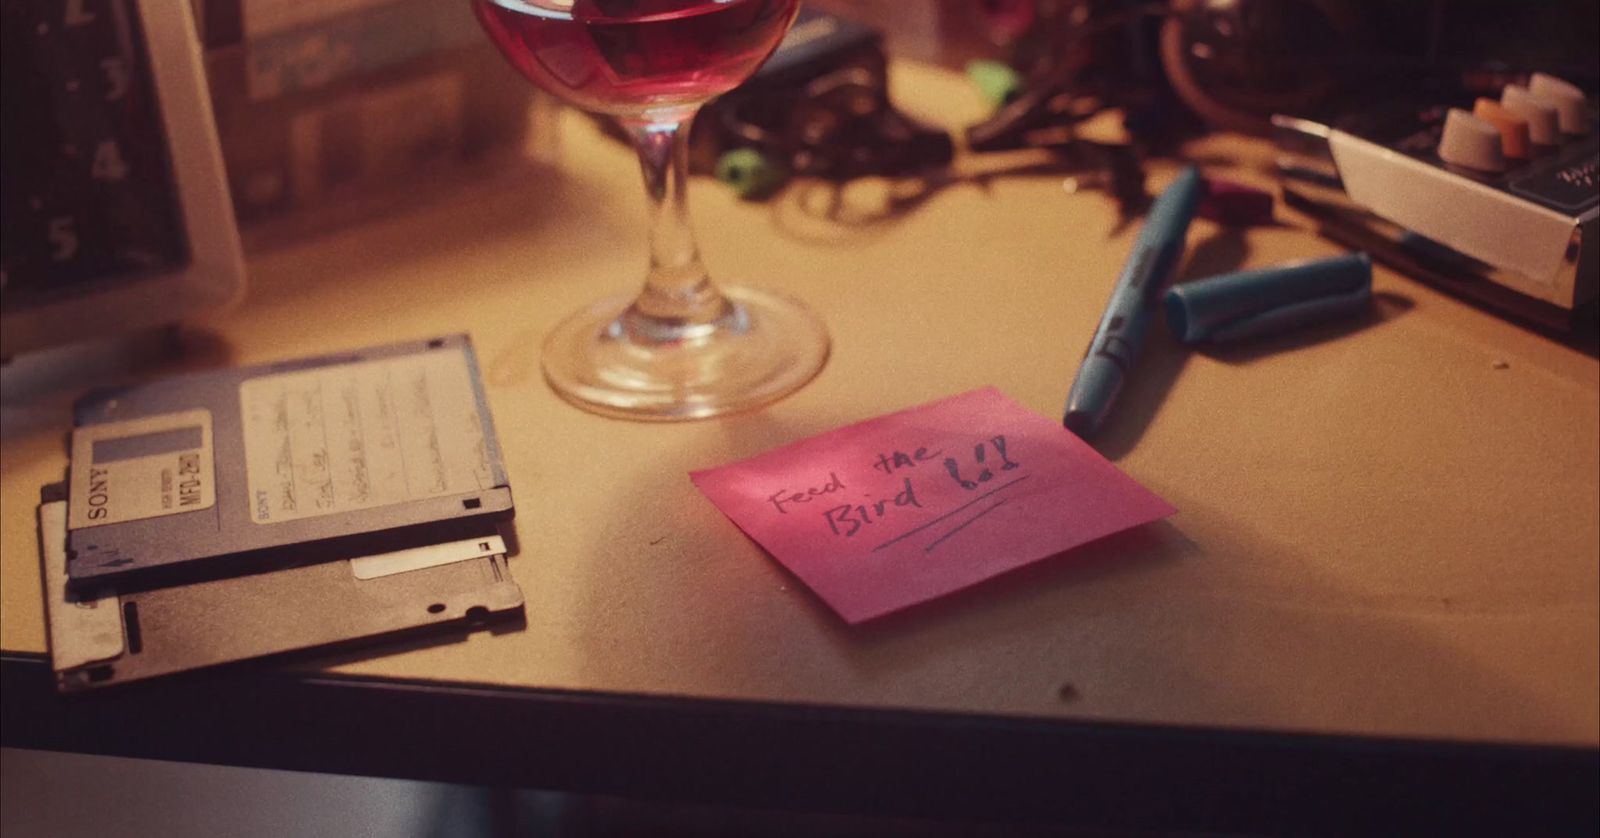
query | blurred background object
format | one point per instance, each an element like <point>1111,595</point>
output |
<point>116,211</point>
<point>819,107</point>
<point>150,143</point>
<point>1236,62</point>
<point>331,108</point>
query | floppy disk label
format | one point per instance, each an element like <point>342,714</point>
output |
<point>142,468</point>
<point>353,436</point>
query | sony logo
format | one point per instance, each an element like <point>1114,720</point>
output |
<point>99,493</point>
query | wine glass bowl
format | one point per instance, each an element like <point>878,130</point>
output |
<point>683,347</point>
<point>632,58</point>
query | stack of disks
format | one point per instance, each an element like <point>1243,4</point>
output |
<point>229,515</point>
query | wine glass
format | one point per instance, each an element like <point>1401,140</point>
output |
<point>682,348</point>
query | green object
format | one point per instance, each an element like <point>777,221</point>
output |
<point>996,79</point>
<point>752,175</point>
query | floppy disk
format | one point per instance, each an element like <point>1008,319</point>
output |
<point>243,470</point>
<point>109,638</point>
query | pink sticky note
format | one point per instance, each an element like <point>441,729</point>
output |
<point>906,507</point>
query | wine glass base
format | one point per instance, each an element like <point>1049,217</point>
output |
<point>608,360</point>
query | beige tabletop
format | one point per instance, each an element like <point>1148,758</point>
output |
<point>1389,527</point>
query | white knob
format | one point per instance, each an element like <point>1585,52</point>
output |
<point>1540,113</point>
<point>1567,98</point>
<point>1471,142</point>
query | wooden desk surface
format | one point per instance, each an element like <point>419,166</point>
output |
<point>1387,528</point>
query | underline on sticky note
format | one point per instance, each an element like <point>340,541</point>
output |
<point>914,530</point>
<point>963,525</point>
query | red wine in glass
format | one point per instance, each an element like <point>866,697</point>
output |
<point>627,57</point>
<point>683,347</point>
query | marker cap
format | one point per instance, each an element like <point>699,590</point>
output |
<point>1261,302</point>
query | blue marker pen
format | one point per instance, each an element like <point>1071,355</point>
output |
<point>1117,341</point>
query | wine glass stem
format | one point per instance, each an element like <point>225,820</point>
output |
<point>677,291</point>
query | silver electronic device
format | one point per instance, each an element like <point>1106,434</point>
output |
<point>1496,198</point>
